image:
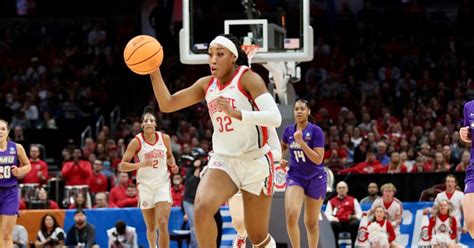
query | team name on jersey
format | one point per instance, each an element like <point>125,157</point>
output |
<point>213,107</point>
<point>7,159</point>
<point>295,145</point>
<point>155,154</point>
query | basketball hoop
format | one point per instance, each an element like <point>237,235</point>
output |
<point>250,50</point>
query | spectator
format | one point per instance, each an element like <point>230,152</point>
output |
<point>50,233</point>
<point>370,165</point>
<point>443,227</point>
<point>132,197</point>
<point>20,237</point>
<point>39,168</point>
<point>380,228</point>
<point>122,236</point>
<point>440,164</point>
<point>462,166</point>
<point>177,190</point>
<point>453,196</point>
<point>43,201</point>
<point>395,165</point>
<point>119,191</point>
<point>344,213</point>
<point>81,233</point>
<point>98,181</point>
<point>373,190</point>
<point>101,201</point>
<point>421,166</point>
<point>19,137</point>
<point>335,156</point>
<point>392,206</point>
<point>447,154</point>
<point>382,153</point>
<point>77,171</point>
<point>89,147</point>
<point>80,201</point>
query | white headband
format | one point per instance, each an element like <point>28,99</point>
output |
<point>225,42</point>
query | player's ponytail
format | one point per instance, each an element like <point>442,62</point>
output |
<point>242,60</point>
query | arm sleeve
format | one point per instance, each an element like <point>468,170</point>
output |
<point>454,228</point>
<point>430,227</point>
<point>391,232</point>
<point>67,170</point>
<point>268,114</point>
<point>328,211</point>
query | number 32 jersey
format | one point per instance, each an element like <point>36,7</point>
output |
<point>157,174</point>
<point>300,165</point>
<point>233,137</point>
<point>8,158</point>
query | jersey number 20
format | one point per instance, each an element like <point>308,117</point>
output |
<point>299,156</point>
<point>224,124</point>
<point>5,172</point>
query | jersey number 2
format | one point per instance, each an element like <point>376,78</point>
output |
<point>155,163</point>
<point>5,172</point>
<point>224,124</point>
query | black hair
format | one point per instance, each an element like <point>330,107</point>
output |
<point>148,110</point>
<point>43,228</point>
<point>451,175</point>
<point>120,226</point>
<point>242,59</point>
<point>306,102</point>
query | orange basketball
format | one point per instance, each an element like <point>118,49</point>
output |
<point>143,54</point>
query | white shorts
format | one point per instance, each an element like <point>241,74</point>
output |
<point>251,175</point>
<point>149,196</point>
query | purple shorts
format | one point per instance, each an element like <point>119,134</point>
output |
<point>314,187</point>
<point>469,180</point>
<point>10,201</point>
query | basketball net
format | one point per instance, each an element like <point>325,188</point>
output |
<point>250,50</point>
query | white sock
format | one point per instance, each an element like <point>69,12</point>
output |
<point>270,244</point>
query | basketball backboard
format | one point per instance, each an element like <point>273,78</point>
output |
<point>280,28</point>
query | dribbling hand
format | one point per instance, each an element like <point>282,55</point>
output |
<point>15,171</point>
<point>146,163</point>
<point>464,134</point>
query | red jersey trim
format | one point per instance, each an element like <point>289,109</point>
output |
<point>157,138</point>
<point>221,86</point>
<point>209,85</point>
<point>241,88</point>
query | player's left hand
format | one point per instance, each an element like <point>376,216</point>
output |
<point>224,105</point>
<point>15,171</point>
<point>298,135</point>
<point>174,168</point>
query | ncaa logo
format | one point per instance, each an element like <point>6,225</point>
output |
<point>280,179</point>
<point>362,234</point>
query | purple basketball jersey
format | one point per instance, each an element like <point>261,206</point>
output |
<point>469,122</point>
<point>8,158</point>
<point>300,165</point>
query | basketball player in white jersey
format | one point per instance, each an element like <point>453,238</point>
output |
<point>152,154</point>
<point>392,206</point>
<point>236,205</point>
<point>240,108</point>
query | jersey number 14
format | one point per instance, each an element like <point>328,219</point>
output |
<point>299,156</point>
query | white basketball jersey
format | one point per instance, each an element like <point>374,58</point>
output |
<point>455,200</point>
<point>232,137</point>
<point>395,209</point>
<point>157,174</point>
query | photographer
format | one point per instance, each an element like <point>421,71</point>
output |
<point>195,164</point>
<point>122,236</point>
